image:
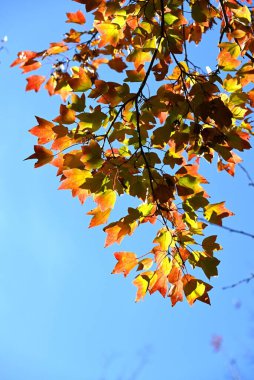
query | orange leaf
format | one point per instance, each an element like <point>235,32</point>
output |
<point>126,262</point>
<point>160,285</point>
<point>43,131</point>
<point>176,293</point>
<point>176,290</point>
<point>77,18</point>
<point>142,281</point>
<point>105,200</point>
<point>23,57</point>
<point>61,143</point>
<point>57,48</point>
<point>67,116</point>
<point>74,178</point>
<point>34,82</point>
<point>162,272</point>
<point>42,155</point>
<point>117,64</point>
<point>30,66</point>
<point>99,217</point>
<point>117,231</point>
<point>82,194</point>
<point>110,34</point>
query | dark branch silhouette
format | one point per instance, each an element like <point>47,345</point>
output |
<point>244,281</point>
<point>233,230</point>
<point>251,183</point>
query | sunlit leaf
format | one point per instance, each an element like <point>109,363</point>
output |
<point>34,82</point>
<point>77,17</point>
<point>42,155</point>
<point>126,262</point>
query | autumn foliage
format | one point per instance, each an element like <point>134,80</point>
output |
<point>139,117</point>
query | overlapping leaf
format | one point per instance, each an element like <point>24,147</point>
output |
<point>139,118</point>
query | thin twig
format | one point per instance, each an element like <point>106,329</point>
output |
<point>247,174</point>
<point>233,230</point>
<point>244,281</point>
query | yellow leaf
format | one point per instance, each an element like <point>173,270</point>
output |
<point>142,281</point>
<point>231,84</point>
<point>110,34</point>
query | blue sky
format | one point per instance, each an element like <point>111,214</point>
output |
<point>62,314</point>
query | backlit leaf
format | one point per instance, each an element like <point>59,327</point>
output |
<point>214,213</point>
<point>77,17</point>
<point>141,117</point>
<point>42,155</point>
<point>142,282</point>
<point>34,82</point>
<point>126,262</point>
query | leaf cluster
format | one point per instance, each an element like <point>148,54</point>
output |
<point>146,132</point>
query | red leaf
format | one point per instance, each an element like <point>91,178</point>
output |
<point>30,66</point>
<point>23,57</point>
<point>77,18</point>
<point>34,82</point>
<point>42,155</point>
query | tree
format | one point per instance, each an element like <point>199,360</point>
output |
<point>147,133</point>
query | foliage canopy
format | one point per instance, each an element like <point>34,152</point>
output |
<point>146,132</point>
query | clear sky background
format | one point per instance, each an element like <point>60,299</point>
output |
<point>62,314</point>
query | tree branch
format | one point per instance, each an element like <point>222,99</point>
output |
<point>244,281</point>
<point>233,230</point>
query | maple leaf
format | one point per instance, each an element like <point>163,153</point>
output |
<point>67,115</point>
<point>110,34</point>
<point>126,262</point>
<point>30,65</point>
<point>161,282</point>
<point>80,80</point>
<point>42,155</point>
<point>142,281</point>
<point>214,213</point>
<point>24,57</point>
<point>195,289</point>
<point>77,17</point>
<point>56,48</point>
<point>117,64</point>
<point>44,131</point>
<point>99,216</point>
<point>34,82</point>
<point>74,178</point>
<point>105,200</point>
<point>145,264</point>
<point>144,133</point>
<point>176,289</point>
<point>91,155</point>
<point>118,230</point>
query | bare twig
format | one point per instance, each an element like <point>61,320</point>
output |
<point>233,230</point>
<point>244,281</point>
<point>251,183</point>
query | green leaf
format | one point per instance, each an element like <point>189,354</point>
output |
<point>169,18</point>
